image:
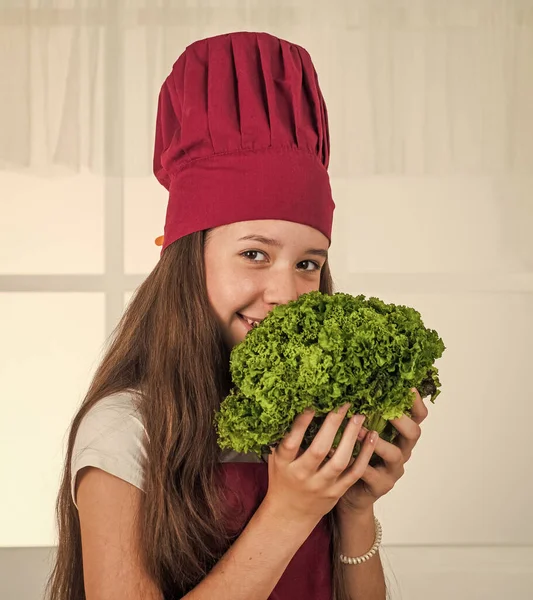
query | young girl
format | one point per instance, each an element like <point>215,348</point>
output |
<point>149,506</point>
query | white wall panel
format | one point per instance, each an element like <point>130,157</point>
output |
<point>429,225</point>
<point>462,573</point>
<point>51,225</point>
<point>145,204</point>
<point>50,347</point>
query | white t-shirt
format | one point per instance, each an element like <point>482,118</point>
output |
<point>112,437</point>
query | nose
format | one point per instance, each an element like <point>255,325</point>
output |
<point>280,288</point>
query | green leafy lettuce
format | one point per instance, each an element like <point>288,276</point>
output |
<point>322,351</point>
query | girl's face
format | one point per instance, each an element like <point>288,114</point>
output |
<point>251,277</point>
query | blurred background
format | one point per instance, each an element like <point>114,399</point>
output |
<point>431,125</point>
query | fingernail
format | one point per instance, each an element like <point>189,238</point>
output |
<point>358,419</point>
<point>373,437</point>
<point>308,411</point>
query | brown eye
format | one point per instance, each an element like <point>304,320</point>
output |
<point>251,252</point>
<point>312,262</point>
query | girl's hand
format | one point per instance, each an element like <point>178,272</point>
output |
<point>302,485</point>
<point>378,481</point>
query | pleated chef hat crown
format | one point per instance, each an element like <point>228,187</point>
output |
<point>242,134</point>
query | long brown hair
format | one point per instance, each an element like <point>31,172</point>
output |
<point>169,348</point>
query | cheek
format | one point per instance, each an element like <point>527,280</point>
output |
<point>217,296</point>
<point>238,289</point>
<point>229,294</point>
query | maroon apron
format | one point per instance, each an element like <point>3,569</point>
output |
<point>308,575</point>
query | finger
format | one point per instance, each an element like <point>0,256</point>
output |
<point>363,431</point>
<point>378,483</point>
<point>408,426</point>
<point>409,435</point>
<point>392,456</point>
<point>356,471</point>
<point>419,410</point>
<point>289,447</point>
<point>342,455</point>
<point>313,457</point>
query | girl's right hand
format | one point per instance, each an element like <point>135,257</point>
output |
<point>300,486</point>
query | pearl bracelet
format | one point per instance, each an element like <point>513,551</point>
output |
<point>361,559</point>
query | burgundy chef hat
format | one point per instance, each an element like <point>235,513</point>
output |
<point>242,134</point>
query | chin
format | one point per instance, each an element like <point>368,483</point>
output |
<point>231,340</point>
<point>234,334</point>
<point>234,342</point>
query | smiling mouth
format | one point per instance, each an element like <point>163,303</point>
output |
<point>249,323</point>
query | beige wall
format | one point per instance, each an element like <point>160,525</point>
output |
<point>432,174</point>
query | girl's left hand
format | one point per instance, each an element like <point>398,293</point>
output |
<point>378,481</point>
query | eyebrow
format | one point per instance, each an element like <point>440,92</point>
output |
<point>273,242</point>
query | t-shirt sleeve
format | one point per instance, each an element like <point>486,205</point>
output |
<point>111,437</point>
